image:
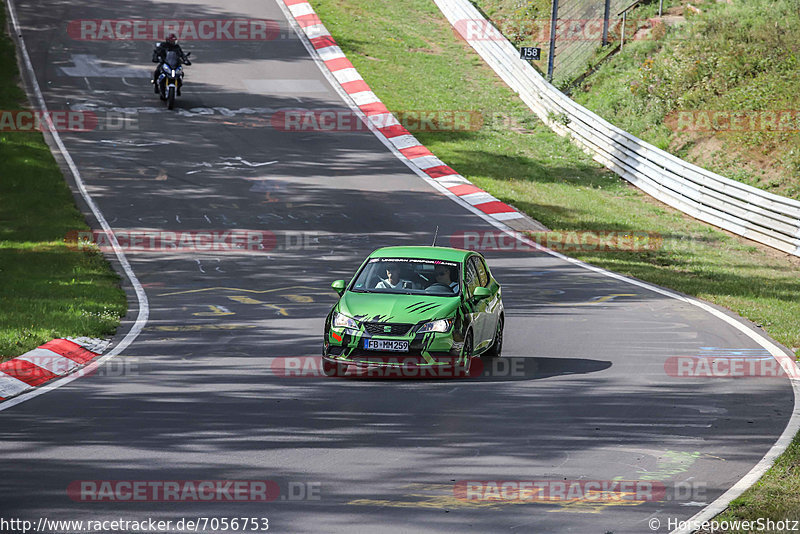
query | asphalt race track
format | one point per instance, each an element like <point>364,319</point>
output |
<point>580,394</point>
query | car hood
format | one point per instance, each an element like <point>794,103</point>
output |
<point>396,308</point>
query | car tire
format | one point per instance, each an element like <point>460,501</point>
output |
<point>496,349</point>
<point>462,370</point>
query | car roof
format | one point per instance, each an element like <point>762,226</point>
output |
<point>425,253</point>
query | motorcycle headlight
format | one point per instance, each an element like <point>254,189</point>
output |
<point>341,320</point>
<point>440,325</point>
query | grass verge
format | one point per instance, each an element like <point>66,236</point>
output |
<point>738,58</point>
<point>732,57</point>
<point>47,290</point>
<point>411,58</point>
<point>775,496</point>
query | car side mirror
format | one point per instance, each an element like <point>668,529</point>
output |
<point>339,286</point>
<point>482,293</point>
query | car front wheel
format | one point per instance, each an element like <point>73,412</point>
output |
<point>462,368</point>
<point>497,346</point>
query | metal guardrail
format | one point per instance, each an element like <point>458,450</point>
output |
<point>739,208</point>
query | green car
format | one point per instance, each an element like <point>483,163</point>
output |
<point>413,312</point>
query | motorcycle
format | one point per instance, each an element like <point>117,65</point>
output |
<point>170,80</point>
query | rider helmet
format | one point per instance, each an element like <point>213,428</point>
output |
<point>172,39</point>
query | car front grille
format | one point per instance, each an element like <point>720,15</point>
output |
<point>395,329</point>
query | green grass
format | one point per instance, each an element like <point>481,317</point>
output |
<point>408,54</point>
<point>738,56</point>
<point>47,290</point>
<point>776,495</point>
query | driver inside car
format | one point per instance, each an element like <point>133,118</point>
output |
<point>444,276</point>
<point>393,280</point>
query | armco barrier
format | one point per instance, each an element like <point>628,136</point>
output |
<point>741,209</point>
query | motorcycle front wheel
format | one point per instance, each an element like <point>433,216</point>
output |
<point>171,98</point>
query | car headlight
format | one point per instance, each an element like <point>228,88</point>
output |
<point>340,320</point>
<point>440,325</point>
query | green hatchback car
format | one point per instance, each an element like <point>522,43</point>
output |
<point>413,312</point>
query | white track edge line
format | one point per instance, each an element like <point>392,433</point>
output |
<point>792,426</point>
<point>144,306</point>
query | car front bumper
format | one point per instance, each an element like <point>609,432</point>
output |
<point>428,350</point>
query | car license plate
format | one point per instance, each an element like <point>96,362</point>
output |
<point>386,344</point>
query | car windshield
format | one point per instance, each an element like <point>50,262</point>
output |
<point>409,275</point>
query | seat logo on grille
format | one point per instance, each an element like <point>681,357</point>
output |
<point>387,328</point>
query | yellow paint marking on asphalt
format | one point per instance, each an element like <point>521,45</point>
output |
<point>583,506</point>
<point>282,311</point>
<point>431,502</point>
<point>216,311</point>
<point>237,289</point>
<point>428,496</point>
<point>298,298</point>
<point>613,296</point>
<point>245,300</point>
<point>441,496</point>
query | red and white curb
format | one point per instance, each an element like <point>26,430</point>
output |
<point>47,362</point>
<point>387,124</point>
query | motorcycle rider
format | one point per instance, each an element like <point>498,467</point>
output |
<point>170,44</point>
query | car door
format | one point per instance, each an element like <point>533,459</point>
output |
<point>473,280</point>
<point>493,303</point>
